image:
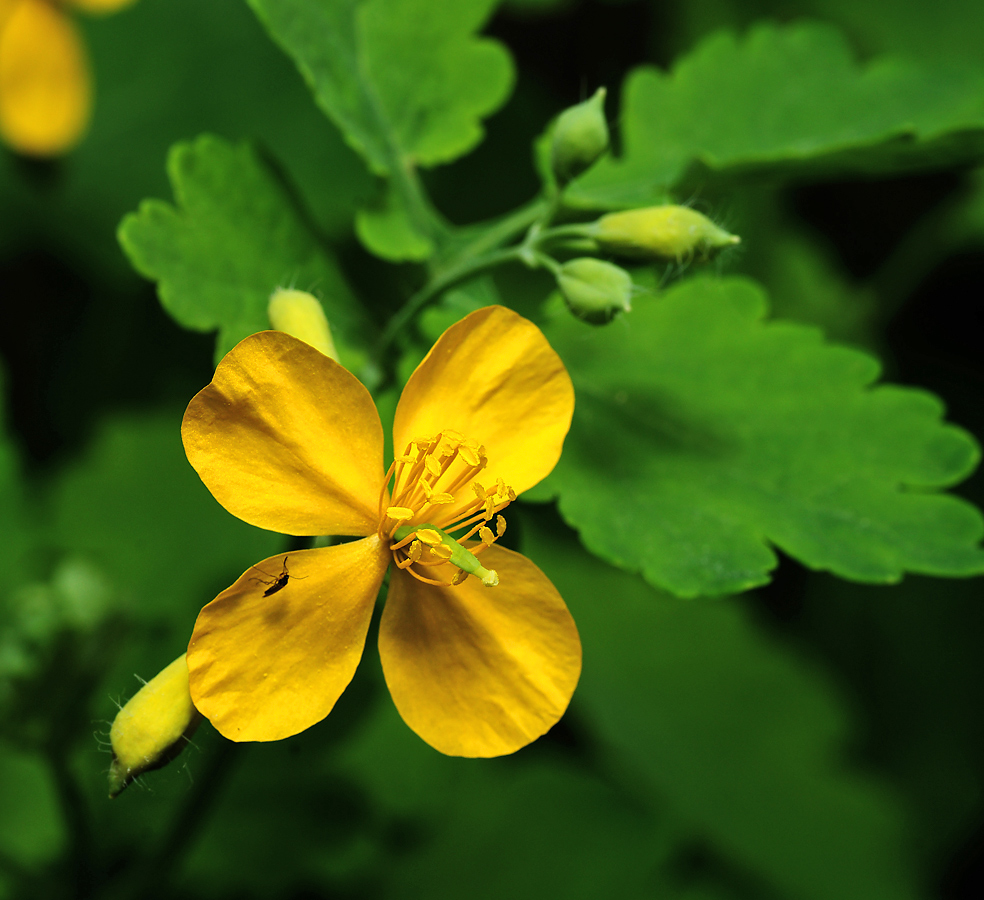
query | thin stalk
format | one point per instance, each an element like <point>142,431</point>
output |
<point>153,876</point>
<point>505,230</point>
<point>914,257</point>
<point>77,821</point>
<point>406,183</point>
<point>467,268</point>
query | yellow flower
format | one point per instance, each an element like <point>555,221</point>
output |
<point>480,653</point>
<point>45,85</point>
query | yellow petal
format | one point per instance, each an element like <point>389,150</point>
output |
<point>99,6</point>
<point>262,668</point>
<point>480,671</point>
<point>494,378</point>
<point>287,439</point>
<point>45,94</point>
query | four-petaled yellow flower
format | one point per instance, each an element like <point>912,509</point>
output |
<point>480,653</point>
<point>45,87</point>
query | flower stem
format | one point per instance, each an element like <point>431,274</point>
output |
<point>77,821</point>
<point>467,267</point>
<point>153,876</point>
<point>484,252</point>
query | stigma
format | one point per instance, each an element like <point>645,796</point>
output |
<point>439,516</point>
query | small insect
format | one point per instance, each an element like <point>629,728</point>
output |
<point>277,583</point>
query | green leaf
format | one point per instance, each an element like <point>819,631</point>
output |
<point>134,505</point>
<point>31,827</point>
<point>387,231</point>
<point>15,531</point>
<point>703,437</point>
<point>151,63</point>
<point>784,100</point>
<point>553,829</point>
<point>406,80</point>
<point>727,728</point>
<point>233,236</point>
<point>915,28</point>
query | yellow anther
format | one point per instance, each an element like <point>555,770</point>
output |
<point>442,550</point>
<point>430,537</point>
<point>416,548</point>
<point>489,508</point>
<point>433,466</point>
<point>400,513</point>
<point>469,455</point>
<point>440,498</point>
<point>500,526</point>
<point>453,435</point>
<point>485,533</point>
<point>479,490</point>
<point>406,460</point>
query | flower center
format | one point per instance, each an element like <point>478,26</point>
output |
<point>437,505</point>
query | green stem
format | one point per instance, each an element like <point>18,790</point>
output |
<point>406,183</point>
<point>580,230</point>
<point>153,877</point>
<point>465,269</point>
<point>503,231</point>
<point>484,253</point>
<point>77,823</point>
<point>939,233</point>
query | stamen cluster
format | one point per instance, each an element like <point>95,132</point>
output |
<point>435,493</point>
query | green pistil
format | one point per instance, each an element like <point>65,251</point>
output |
<point>462,558</point>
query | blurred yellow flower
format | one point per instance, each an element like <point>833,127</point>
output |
<point>479,651</point>
<point>45,84</point>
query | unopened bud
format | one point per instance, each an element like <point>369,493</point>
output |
<point>670,232</point>
<point>579,138</point>
<point>301,315</point>
<point>595,290</point>
<point>153,727</point>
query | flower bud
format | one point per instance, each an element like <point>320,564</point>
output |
<point>670,232</point>
<point>579,138</point>
<point>301,315</point>
<point>594,290</point>
<point>153,727</point>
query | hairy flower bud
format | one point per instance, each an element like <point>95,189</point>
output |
<point>670,232</point>
<point>153,727</point>
<point>300,315</point>
<point>579,138</point>
<point>595,290</point>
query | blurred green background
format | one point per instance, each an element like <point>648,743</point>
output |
<point>812,739</point>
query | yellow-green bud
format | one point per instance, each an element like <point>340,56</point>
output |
<point>595,290</point>
<point>670,232</point>
<point>153,727</point>
<point>301,315</point>
<point>579,138</point>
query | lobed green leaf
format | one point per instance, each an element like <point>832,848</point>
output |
<point>234,236</point>
<point>407,81</point>
<point>704,437</point>
<point>134,506</point>
<point>784,100</point>
<point>729,730</point>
